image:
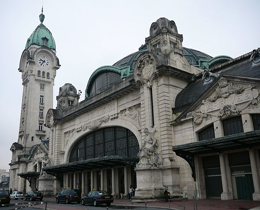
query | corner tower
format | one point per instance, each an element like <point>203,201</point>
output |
<point>38,65</point>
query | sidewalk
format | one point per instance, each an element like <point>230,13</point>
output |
<point>204,204</point>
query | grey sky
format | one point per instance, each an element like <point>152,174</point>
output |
<point>90,34</point>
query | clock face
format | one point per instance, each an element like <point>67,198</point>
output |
<point>43,61</point>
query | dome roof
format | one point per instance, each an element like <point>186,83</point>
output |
<point>192,56</point>
<point>41,36</point>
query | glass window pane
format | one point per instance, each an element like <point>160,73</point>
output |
<point>232,126</point>
<point>256,121</point>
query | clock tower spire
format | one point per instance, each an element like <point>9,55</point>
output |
<point>38,66</point>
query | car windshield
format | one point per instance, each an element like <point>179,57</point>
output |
<point>19,192</point>
<point>75,192</point>
<point>4,192</point>
<point>102,193</point>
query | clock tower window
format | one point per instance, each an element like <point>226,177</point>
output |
<point>43,74</point>
<point>41,99</point>
<point>39,73</point>
<point>40,126</point>
<point>41,86</point>
<point>45,40</point>
<point>48,75</point>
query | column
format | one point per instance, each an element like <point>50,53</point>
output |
<point>65,177</point>
<point>126,181</point>
<point>113,182</point>
<point>74,180</point>
<point>87,187</point>
<point>219,132</point>
<point>225,194</point>
<point>92,179</point>
<point>83,183</point>
<point>256,194</point>
<point>229,176</point>
<point>247,123</point>
<point>102,179</point>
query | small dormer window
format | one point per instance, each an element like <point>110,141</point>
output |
<point>70,102</point>
<point>171,45</point>
<point>45,40</point>
<point>157,45</point>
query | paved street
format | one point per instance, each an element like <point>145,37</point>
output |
<point>122,204</point>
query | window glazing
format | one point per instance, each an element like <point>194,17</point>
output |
<point>232,126</point>
<point>105,142</point>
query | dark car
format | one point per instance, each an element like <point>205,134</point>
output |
<point>97,197</point>
<point>4,197</point>
<point>69,196</point>
<point>33,196</point>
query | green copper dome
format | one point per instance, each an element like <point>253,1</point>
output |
<point>41,36</point>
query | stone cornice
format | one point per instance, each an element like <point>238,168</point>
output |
<point>116,91</point>
<point>174,72</point>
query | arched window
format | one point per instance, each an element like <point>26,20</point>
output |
<point>105,142</point>
<point>43,74</point>
<point>48,75</point>
<point>39,73</point>
<point>207,133</point>
<point>104,81</point>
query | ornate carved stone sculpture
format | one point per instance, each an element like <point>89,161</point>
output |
<point>255,57</point>
<point>148,152</point>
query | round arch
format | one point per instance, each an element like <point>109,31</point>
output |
<point>108,141</point>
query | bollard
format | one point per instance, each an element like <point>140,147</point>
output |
<point>45,205</point>
<point>183,204</point>
<point>145,204</point>
<point>169,204</point>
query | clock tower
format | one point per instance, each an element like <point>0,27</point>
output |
<point>38,66</point>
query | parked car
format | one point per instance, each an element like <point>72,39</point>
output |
<point>16,195</point>
<point>4,197</point>
<point>69,196</point>
<point>33,196</point>
<point>97,197</point>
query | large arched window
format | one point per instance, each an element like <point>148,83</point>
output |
<point>104,81</point>
<point>105,142</point>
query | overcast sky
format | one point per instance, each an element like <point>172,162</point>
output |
<point>93,33</point>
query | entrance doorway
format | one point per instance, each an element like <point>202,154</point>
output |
<point>245,187</point>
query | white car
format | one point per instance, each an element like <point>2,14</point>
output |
<point>16,195</point>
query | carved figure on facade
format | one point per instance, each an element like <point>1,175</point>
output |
<point>148,152</point>
<point>198,116</point>
<point>208,77</point>
<point>145,68</point>
<point>225,89</point>
<point>228,110</point>
<point>133,113</point>
<point>255,57</point>
<point>49,118</point>
<point>227,100</point>
<point>96,123</point>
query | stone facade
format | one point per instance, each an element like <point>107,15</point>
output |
<point>135,118</point>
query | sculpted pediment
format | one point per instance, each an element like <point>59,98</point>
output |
<point>37,152</point>
<point>227,98</point>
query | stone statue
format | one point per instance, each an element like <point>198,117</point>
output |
<point>148,152</point>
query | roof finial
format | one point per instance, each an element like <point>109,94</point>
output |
<point>42,16</point>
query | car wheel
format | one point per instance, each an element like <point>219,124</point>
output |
<point>67,201</point>
<point>82,202</point>
<point>95,203</point>
<point>108,204</point>
<point>57,200</point>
